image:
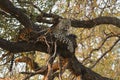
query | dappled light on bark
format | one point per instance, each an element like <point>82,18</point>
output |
<point>79,51</point>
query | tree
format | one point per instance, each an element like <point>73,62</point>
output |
<point>45,31</point>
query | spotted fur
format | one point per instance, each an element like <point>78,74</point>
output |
<point>61,31</point>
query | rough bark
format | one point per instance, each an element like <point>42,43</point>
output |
<point>7,6</point>
<point>97,21</point>
<point>79,69</point>
<point>23,46</point>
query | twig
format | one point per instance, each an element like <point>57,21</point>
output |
<point>48,49</point>
<point>30,3</point>
<point>11,64</point>
<point>96,49</point>
<point>105,53</point>
<point>43,38</point>
<point>60,67</point>
<point>42,12</point>
<point>49,76</point>
<point>4,13</point>
<point>5,55</point>
<point>30,74</point>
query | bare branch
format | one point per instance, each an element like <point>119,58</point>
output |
<point>24,46</point>
<point>105,53</point>
<point>97,21</point>
<point>7,6</point>
<point>4,13</point>
<point>21,46</point>
<point>98,48</point>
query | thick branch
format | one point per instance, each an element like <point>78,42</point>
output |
<point>21,46</point>
<point>97,21</point>
<point>78,70</point>
<point>7,6</point>
<point>86,73</point>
